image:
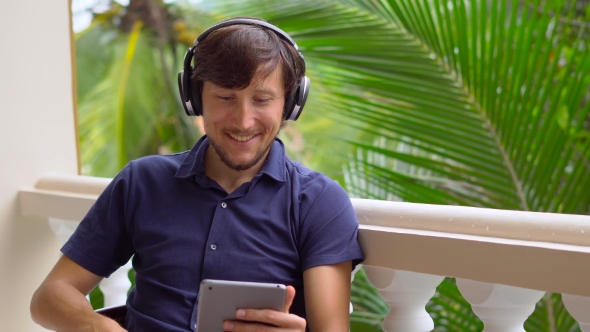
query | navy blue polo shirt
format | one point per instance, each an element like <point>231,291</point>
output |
<point>181,227</point>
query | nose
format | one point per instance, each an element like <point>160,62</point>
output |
<point>244,115</point>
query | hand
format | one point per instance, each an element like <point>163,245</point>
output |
<point>267,320</point>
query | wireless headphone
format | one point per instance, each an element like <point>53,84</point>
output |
<point>191,97</point>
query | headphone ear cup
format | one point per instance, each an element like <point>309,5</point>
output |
<point>289,103</point>
<point>184,95</point>
<point>196,99</point>
<point>294,104</point>
<point>189,95</point>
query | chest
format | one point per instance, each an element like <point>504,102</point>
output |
<point>190,234</point>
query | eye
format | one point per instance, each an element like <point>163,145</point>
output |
<point>262,100</point>
<point>224,98</point>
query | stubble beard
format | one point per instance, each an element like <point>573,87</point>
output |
<point>227,160</point>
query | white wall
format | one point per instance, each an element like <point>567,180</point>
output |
<point>37,135</point>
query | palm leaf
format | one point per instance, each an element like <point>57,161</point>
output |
<point>128,100</point>
<point>490,96</point>
<point>481,103</point>
<point>109,120</point>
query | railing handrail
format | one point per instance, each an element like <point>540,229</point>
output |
<point>77,184</point>
<point>507,224</point>
<point>544,251</point>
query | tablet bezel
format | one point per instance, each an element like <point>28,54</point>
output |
<point>220,299</point>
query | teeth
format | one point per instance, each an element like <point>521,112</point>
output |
<point>241,138</point>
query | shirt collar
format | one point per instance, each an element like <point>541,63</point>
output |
<point>194,162</point>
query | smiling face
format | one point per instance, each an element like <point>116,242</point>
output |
<point>242,124</point>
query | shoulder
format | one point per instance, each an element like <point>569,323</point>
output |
<point>152,163</point>
<point>155,165</point>
<point>312,187</point>
<point>327,226</point>
<point>310,179</point>
<point>149,172</point>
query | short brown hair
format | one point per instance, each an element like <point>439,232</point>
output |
<point>230,57</point>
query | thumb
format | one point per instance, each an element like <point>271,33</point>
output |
<point>289,296</point>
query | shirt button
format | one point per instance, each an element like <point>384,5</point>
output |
<point>223,205</point>
<point>213,247</point>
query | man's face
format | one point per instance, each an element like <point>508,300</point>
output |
<point>242,124</point>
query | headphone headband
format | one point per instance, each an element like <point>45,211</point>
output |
<point>191,98</point>
<point>247,21</point>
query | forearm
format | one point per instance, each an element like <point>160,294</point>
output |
<point>58,306</point>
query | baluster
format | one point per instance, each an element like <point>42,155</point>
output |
<point>357,267</point>
<point>579,308</point>
<point>63,229</point>
<point>407,294</point>
<point>501,308</point>
<point>115,287</point>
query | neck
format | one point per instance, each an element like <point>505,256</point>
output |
<point>228,178</point>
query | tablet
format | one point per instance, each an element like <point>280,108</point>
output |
<point>220,299</point>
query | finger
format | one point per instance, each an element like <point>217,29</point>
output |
<point>241,326</point>
<point>282,322</point>
<point>270,317</point>
<point>289,296</point>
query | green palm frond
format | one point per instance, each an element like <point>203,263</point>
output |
<point>477,85</point>
<point>127,94</point>
<point>108,118</point>
<point>480,103</point>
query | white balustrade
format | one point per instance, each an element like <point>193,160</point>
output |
<point>407,294</point>
<point>408,248</point>
<point>579,308</point>
<point>63,229</point>
<point>501,308</point>
<point>115,287</point>
<point>356,269</point>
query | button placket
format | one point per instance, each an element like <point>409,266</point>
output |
<point>213,246</point>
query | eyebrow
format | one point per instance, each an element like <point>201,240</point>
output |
<point>269,91</point>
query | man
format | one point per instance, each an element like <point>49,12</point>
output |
<point>235,207</point>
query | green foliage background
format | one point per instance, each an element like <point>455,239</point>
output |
<point>466,102</point>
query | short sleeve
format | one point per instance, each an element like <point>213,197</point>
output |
<point>101,243</point>
<point>329,226</point>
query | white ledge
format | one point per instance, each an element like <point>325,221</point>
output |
<point>544,251</point>
<point>54,204</point>
<point>67,197</point>
<point>544,266</point>
<point>519,225</point>
<point>78,184</point>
